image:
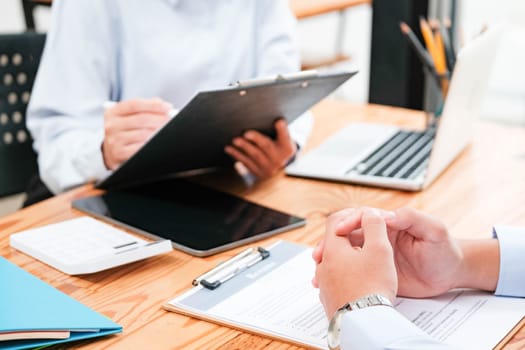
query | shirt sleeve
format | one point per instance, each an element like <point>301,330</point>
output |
<point>511,280</point>
<point>278,53</point>
<point>75,77</point>
<point>383,328</point>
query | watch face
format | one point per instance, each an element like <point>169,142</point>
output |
<point>334,329</point>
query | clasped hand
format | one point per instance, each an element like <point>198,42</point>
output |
<point>368,251</point>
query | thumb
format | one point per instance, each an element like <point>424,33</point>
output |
<point>283,134</point>
<point>317,253</point>
<point>417,224</point>
<point>374,229</point>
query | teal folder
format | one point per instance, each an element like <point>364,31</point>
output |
<point>29,304</point>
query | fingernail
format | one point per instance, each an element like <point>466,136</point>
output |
<point>340,225</point>
<point>237,141</point>
<point>372,211</point>
<point>387,214</point>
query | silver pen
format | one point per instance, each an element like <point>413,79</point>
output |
<point>222,266</point>
<point>225,273</point>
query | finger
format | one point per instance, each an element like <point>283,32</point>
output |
<point>140,105</point>
<point>245,160</point>
<point>333,244</point>
<point>349,224</point>
<point>317,253</point>
<point>374,230</point>
<point>254,153</point>
<point>134,136</point>
<point>137,121</point>
<point>315,284</point>
<point>284,139</point>
<point>356,238</point>
<point>417,224</point>
<point>353,220</point>
<point>337,217</point>
<point>123,153</point>
<point>264,143</point>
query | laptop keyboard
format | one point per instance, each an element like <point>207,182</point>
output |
<point>404,156</point>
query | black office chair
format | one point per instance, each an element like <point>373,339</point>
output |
<point>29,8</point>
<point>19,59</point>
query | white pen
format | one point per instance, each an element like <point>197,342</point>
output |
<point>108,104</point>
<point>225,274</point>
<point>223,265</point>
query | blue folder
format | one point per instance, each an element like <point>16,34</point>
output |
<point>29,304</point>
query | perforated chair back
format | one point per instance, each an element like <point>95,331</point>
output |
<point>19,59</point>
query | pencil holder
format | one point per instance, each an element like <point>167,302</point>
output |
<point>435,96</point>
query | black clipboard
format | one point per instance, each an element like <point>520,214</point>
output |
<point>196,137</point>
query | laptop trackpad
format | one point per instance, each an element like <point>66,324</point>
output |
<point>342,150</point>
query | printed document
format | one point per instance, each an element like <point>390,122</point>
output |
<point>276,298</point>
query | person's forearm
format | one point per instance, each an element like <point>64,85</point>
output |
<point>72,159</point>
<point>481,262</point>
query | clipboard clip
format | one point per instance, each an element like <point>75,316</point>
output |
<point>228,269</point>
<point>305,74</point>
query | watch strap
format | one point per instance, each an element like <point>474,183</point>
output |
<point>334,327</point>
<point>367,301</point>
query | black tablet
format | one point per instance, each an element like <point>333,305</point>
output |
<point>196,137</point>
<point>197,219</point>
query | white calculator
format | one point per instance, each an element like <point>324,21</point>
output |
<point>85,245</point>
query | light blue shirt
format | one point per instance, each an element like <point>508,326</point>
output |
<point>383,328</point>
<point>99,50</point>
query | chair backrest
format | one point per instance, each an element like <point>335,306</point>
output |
<point>19,59</point>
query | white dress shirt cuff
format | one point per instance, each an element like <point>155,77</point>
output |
<point>511,281</point>
<point>91,163</point>
<point>301,128</point>
<point>382,327</point>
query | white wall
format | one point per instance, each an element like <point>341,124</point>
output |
<point>507,87</point>
<point>318,40</point>
<point>12,17</point>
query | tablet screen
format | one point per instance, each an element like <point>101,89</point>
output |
<point>197,219</point>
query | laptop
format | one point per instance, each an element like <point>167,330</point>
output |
<point>386,156</point>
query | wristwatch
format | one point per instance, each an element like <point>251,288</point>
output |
<point>334,328</point>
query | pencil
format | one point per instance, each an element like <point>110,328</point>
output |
<point>447,23</point>
<point>440,52</point>
<point>423,55</point>
<point>439,60</point>
<point>449,50</point>
<point>438,39</point>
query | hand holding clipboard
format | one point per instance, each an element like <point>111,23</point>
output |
<point>196,138</point>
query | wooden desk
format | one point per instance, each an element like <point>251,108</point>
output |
<point>483,187</point>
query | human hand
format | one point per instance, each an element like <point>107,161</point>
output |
<point>428,260</point>
<point>351,217</point>
<point>261,155</point>
<point>128,125</point>
<point>346,272</point>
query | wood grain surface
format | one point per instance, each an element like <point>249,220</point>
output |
<point>483,187</point>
